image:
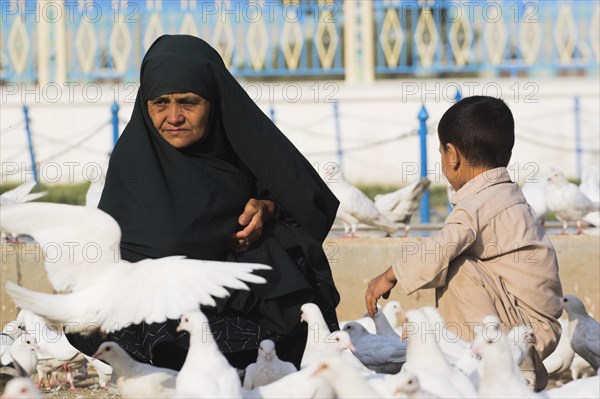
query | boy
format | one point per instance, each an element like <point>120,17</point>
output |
<point>491,257</point>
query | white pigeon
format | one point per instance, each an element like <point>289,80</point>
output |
<point>590,186</point>
<point>22,354</point>
<point>298,385</point>
<point>535,194</point>
<point>87,261</point>
<point>54,350</point>
<point>268,367</point>
<point>452,346</point>
<point>380,354</point>
<point>355,207</point>
<point>10,332</point>
<point>135,379</point>
<point>585,388</point>
<point>407,385</point>
<point>584,331</point>
<point>400,205</point>
<point>560,360</point>
<point>499,375</point>
<point>205,372</point>
<point>21,388</point>
<point>343,378</point>
<point>318,330</point>
<point>567,201</point>
<point>520,338</point>
<point>425,359</point>
<point>21,194</point>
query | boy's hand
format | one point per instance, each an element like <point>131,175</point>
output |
<point>379,287</point>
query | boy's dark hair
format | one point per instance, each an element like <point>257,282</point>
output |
<point>482,128</point>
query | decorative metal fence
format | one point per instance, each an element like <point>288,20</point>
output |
<point>87,40</point>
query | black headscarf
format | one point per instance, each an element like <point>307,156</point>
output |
<point>171,201</point>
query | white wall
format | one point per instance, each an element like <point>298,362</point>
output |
<point>543,110</point>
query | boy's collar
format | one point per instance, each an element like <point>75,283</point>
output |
<point>480,182</point>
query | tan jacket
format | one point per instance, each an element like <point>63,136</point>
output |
<point>509,264</point>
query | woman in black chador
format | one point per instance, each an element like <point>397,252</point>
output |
<point>200,171</point>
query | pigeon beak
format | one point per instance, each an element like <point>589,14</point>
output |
<point>404,335</point>
<point>179,328</point>
<point>268,356</point>
<point>318,370</point>
<point>36,348</point>
<point>95,355</point>
<point>397,391</point>
<point>352,348</point>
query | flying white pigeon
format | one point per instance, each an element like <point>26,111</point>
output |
<point>425,359</point>
<point>21,388</point>
<point>584,331</point>
<point>590,186</point>
<point>21,194</point>
<point>380,354</point>
<point>135,379</point>
<point>400,205</point>
<point>268,367</point>
<point>343,378</point>
<point>567,201</point>
<point>500,376</point>
<point>205,372</point>
<point>87,261</point>
<point>355,207</point>
<point>560,360</point>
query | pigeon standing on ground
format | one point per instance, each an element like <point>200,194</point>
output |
<point>584,331</point>
<point>590,186</point>
<point>318,330</point>
<point>425,359</point>
<point>345,380</point>
<point>205,372</point>
<point>400,205</point>
<point>383,327</point>
<point>407,385</point>
<point>535,194</point>
<point>87,261</point>
<point>567,201</point>
<point>380,354</point>
<point>22,354</point>
<point>355,207</point>
<point>560,360</point>
<point>500,376</point>
<point>135,379</point>
<point>268,367</point>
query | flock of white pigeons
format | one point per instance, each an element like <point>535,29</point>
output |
<point>395,354</point>
<point>391,212</point>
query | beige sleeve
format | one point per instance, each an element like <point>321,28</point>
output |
<point>424,264</point>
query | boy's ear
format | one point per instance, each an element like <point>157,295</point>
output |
<point>454,155</point>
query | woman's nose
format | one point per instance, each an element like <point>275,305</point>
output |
<point>174,114</point>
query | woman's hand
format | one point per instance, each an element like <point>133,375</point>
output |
<point>255,215</point>
<point>379,287</point>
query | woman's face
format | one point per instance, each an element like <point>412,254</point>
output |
<point>180,118</point>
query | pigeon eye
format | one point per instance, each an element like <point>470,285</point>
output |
<point>108,349</point>
<point>23,390</point>
<point>410,382</point>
